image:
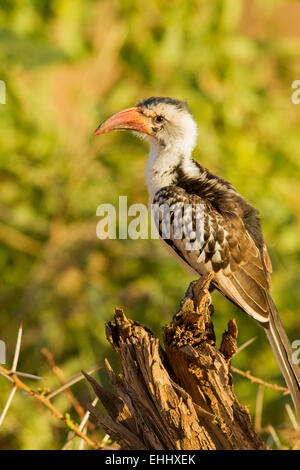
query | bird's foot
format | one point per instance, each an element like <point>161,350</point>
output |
<point>200,292</point>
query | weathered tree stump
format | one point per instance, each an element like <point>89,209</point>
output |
<point>180,398</point>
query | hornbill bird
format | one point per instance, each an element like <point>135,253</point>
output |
<point>232,244</point>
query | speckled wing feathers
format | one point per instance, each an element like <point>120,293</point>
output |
<point>224,247</point>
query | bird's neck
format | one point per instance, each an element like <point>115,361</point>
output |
<point>165,165</point>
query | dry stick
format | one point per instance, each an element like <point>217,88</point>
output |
<point>17,349</point>
<point>60,376</point>
<point>269,441</point>
<point>23,374</point>
<point>81,444</point>
<point>259,408</point>
<point>81,426</point>
<point>70,382</point>
<point>19,240</point>
<point>275,437</point>
<point>292,417</point>
<point>245,345</point>
<point>6,376</point>
<point>12,393</point>
<point>251,377</point>
<point>259,381</point>
<point>45,401</point>
<point>29,376</point>
<point>13,369</point>
<point>87,415</point>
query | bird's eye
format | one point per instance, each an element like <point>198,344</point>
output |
<point>159,119</point>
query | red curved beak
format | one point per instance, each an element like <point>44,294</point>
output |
<point>129,119</point>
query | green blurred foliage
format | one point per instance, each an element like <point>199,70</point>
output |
<point>68,65</point>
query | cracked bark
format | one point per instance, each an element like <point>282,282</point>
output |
<point>180,397</point>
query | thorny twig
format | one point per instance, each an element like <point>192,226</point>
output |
<point>69,383</point>
<point>292,417</point>
<point>80,430</point>
<point>13,376</point>
<point>248,375</point>
<point>260,381</point>
<point>245,345</point>
<point>273,437</point>
<point>9,400</point>
<point>18,384</point>
<point>65,385</point>
<point>60,376</point>
<point>259,408</point>
<point>81,426</point>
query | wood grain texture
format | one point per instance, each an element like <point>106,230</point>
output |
<point>180,397</point>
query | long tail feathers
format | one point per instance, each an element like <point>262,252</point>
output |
<point>283,352</point>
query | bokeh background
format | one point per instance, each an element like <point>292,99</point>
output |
<point>67,65</point>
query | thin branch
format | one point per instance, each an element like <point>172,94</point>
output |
<point>6,376</point>
<point>46,402</point>
<point>80,427</point>
<point>81,443</point>
<point>87,415</point>
<point>245,345</point>
<point>69,383</point>
<point>19,240</point>
<point>275,437</point>
<point>71,436</point>
<point>14,367</point>
<point>29,376</point>
<point>17,350</point>
<point>269,441</point>
<point>292,417</point>
<point>260,381</point>
<point>12,394</point>
<point>259,408</point>
<point>60,376</point>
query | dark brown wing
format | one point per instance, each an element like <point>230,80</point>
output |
<point>231,245</point>
<point>217,242</point>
